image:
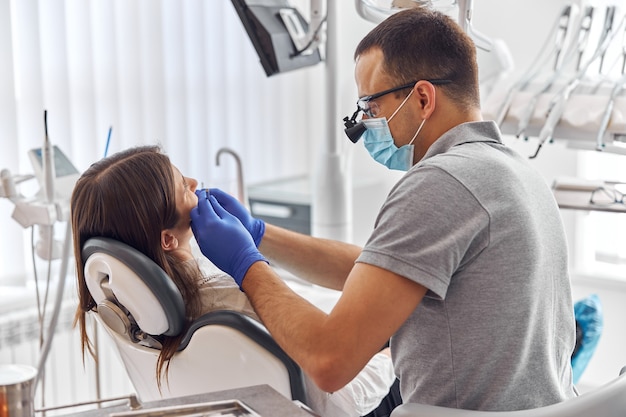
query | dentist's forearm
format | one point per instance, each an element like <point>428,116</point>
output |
<point>306,333</point>
<point>320,261</point>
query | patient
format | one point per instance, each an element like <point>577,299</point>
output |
<point>139,198</point>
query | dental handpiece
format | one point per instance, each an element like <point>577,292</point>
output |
<point>47,158</point>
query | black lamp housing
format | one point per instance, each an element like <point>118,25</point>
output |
<point>270,37</point>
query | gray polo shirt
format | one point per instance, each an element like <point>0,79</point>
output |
<point>475,224</point>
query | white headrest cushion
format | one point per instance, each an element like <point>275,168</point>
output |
<point>129,289</point>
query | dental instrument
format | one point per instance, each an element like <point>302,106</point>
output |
<point>606,116</point>
<point>535,68</point>
<point>583,35</point>
<point>615,92</point>
<point>560,62</point>
<point>133,403</point>
<point>47,157</point>
<point>558,103</point>
<point>608,27</point>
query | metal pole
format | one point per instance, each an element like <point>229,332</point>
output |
<point>332,184</point>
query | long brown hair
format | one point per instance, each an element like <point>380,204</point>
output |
<point>130,197</point>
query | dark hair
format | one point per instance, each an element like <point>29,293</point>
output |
<point>420,44</point>
<point>130,196</point>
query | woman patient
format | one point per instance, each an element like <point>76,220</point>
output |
<point>139,198</point>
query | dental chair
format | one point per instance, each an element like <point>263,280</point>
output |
<point>137,303</point>
<point>608,400</point>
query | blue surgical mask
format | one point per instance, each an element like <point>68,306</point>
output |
<point>380,144</point>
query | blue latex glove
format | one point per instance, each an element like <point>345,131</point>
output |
<point>254,226</point>
<point>590,319</point>
<point>222,238</point>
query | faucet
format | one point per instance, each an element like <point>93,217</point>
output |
<point>241,190</point>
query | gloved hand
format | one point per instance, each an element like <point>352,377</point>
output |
<point>256,227</point>
<point>222,238</point>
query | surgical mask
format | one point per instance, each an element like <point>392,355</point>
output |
<point>380,144</point>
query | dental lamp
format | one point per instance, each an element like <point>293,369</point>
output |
<point>281,37</point>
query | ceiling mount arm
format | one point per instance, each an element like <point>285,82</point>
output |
<point>466,8</point>
<point>372,12</point>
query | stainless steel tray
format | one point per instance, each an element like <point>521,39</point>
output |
<point>226,408</point>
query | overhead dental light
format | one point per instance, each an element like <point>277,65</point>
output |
<point>282,38</point>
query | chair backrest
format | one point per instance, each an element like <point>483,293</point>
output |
<point>606,401</point>
<point>137,302</point>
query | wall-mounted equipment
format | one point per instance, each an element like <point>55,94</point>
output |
<point>281,37</point>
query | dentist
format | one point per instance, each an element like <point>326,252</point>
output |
<point>466,271</point>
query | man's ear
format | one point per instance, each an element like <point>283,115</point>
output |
<point>426,94</point>
<point>169,242</point>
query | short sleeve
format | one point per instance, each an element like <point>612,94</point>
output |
<point>429,226</point>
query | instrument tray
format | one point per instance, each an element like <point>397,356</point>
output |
<point>226,408</point>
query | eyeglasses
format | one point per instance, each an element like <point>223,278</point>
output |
<point>363,105</point>
<point>602,196</point>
